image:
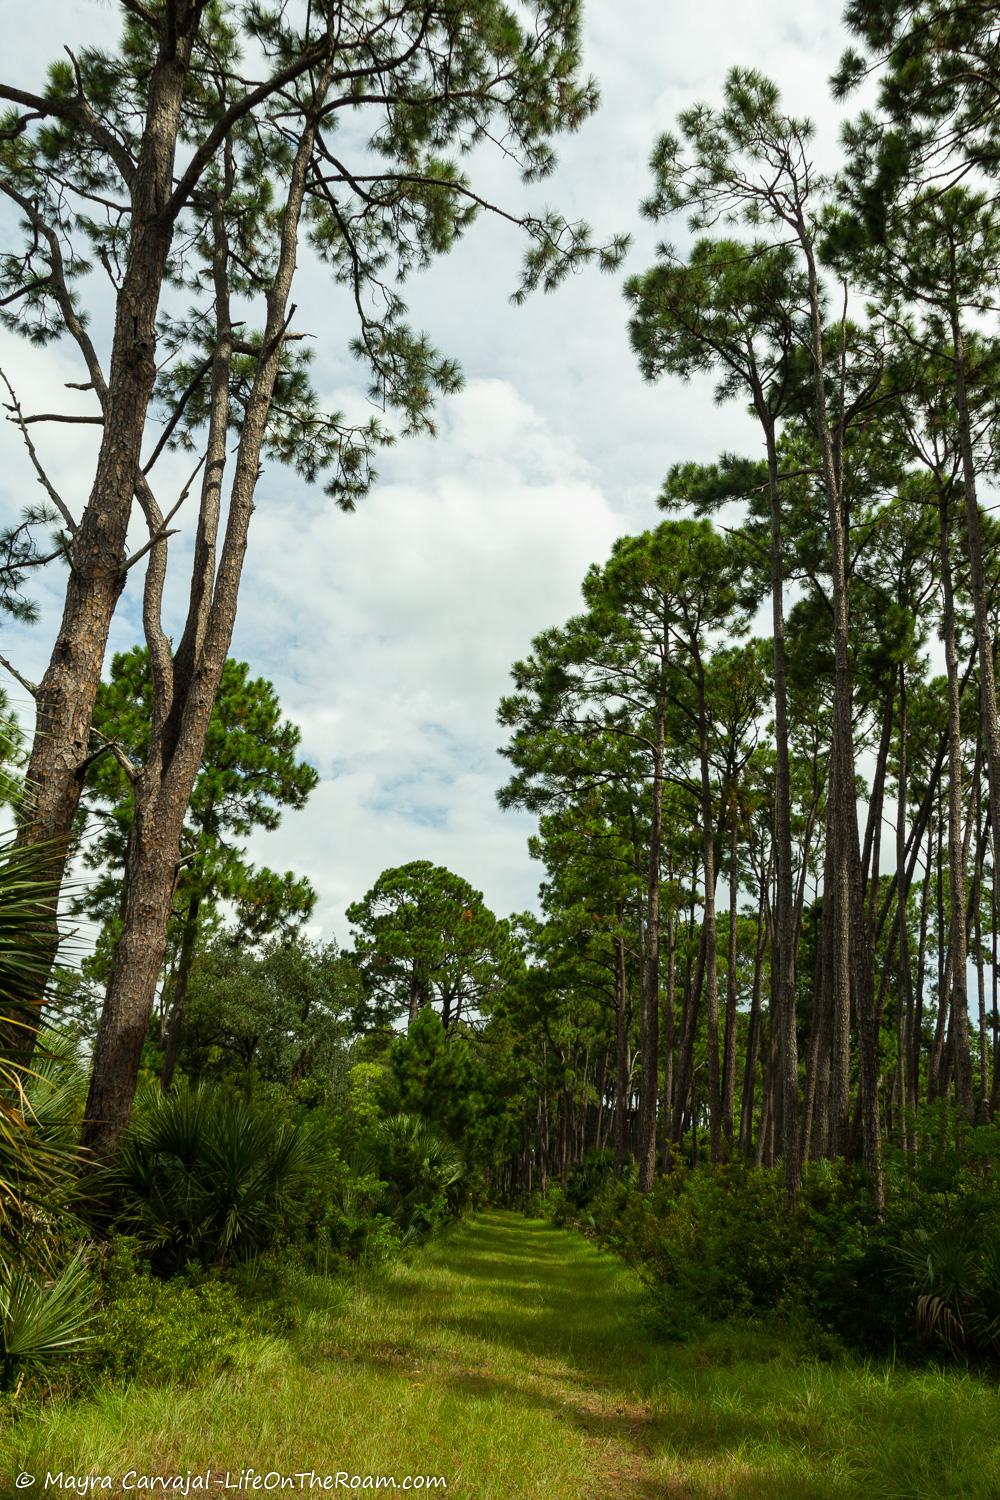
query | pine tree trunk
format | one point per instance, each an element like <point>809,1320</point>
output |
<point>709,926</point>
<point>65,698</point>
<point>753,1036</point>
<point>784,913</point>
<point>649,1017</point>
<point>182,714</point>
<point>815,1115</point>
<point>621,1054</point>
<point>983,1102</point>
<point>904,1000</point>
<point>729,1044</point>
<point>668,1035</point>
<point>994,980</point>
<point>916,1032</point>
<point>977,578</point>
<point>956,855</point>
<point>851,938</point>
<point>685,1061</point>
<point>172,1040</point>
<point>871,854</point>
<point>764,1153</point>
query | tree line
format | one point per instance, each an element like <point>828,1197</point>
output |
<point>731,948</point>
<point>769,903</point>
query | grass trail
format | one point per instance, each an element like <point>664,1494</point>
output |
<point>512,1359</point>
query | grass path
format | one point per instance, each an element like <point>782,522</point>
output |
<point>512,1359</point>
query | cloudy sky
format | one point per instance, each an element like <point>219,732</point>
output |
<point>389,633</point>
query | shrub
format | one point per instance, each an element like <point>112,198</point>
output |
<point>33,1168</point>
<point>354,1224</point>
<point>162,1331</point>
<point>552,1204</point>
<point>204,1176</point>
<point>717,1243</point>
<point>38,1195</point>
<point>422,1174</point>
<point>589,1177</point>
<point>952,1275</point>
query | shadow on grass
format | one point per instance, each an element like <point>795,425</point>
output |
<point>532,1318</point>
<point>572,1317</point>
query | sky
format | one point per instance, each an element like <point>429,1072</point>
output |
<point>389,634</point>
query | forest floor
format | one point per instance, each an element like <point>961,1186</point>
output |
<point>515,1360</point>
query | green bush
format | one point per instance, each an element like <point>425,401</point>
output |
<point>208,1177</point>
<point>354,1225</point>
<point>550,1204</point>
<point>952,1272</point>
<point>716,1243</point>
<point>164,1331</point>
<point>588,1178</point>
<point>711,1243</point>
<point>422,1174</point>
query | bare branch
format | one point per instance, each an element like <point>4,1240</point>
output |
<point>79,112</point>
<point>26,683</point>
<point>114,748</point>
<point>160,657</point>
<point>70,315</point>
<point>159,530</point>
<point>55,416</point>
<point>23,291</point>
<point>21,422</point>
<point>200,372</point>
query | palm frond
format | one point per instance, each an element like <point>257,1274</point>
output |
<point>42,1319</point>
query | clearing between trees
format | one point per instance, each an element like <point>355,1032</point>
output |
<point>516,1360</point>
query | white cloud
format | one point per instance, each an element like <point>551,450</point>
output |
<point>390,634</point>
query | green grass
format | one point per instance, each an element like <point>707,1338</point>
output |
<point>512,1358</point>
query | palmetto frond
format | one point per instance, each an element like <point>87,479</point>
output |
<point>39,1084</point>
<point>206,1176</point>
<point>41,1319</point>
<point>419,1167</point>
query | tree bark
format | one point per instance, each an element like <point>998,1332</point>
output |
<point>753,1036</point>
<point>904,1000</point>
<point>621,1053</point>
<point>668,1036</point>
<point>709,922</point>
<point>685,1061</point>
<point>956,853</point>
<point>916,1033</point>
<point>649,1017</point>
<point>980,599</point>
<point>784,913</point>
<point>851,934</point>
<point>729,1036</point>
<point>65,698</point>
<point>172,1040</point>
<point>184,699</point>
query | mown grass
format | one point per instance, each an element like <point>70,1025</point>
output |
<point>514,1359</point>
